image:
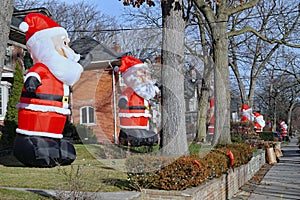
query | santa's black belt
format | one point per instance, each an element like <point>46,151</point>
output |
<point>135,108</point>
<point>51,97</point>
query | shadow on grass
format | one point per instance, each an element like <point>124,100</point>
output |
<point>42,193</point>
<point>8,159</point>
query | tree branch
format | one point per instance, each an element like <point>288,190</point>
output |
<point>255,32</point>
<point>242,7</point>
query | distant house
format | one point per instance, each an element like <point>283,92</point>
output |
<point>15,51</point>
<point>94,96</point>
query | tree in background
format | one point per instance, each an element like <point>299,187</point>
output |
<point>81,18</point>
<point>270,27</point>
<point>11,117</point>
<point>173,133</point>
<point>7,7</point>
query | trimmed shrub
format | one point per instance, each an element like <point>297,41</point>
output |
<point>241,131</point>
<point>85,135</point>
<point>267,136</point>
<point>186,171</point>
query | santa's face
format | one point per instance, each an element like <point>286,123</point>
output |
<point>139,79</point>
<point>61,44</point>
<point>56,54</point>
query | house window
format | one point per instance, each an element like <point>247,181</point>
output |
<point>7,60</point>
<point>87,115</point>
<point>4,96</point>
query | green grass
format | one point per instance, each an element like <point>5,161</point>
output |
<point>195,148</point>
<point>85,174</point>
<point>20,195</point>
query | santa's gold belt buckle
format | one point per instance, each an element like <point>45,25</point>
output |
<point>65,99</point>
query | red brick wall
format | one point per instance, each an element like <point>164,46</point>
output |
<point>94,88</point>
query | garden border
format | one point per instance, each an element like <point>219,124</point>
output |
<point>221,188</point>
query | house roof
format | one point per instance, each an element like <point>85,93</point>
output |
<point>95,55</point>
<point>15,34</point>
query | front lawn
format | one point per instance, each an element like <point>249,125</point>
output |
<point>85,174</point>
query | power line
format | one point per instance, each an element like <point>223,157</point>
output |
<point>160,27</point>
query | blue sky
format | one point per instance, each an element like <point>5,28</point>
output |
<point>110,7</point>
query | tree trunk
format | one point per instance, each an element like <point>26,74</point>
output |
<point>203,105</point>
<point>173,138</point>
<point>289,120</point>
<point>221,83</point>
<point>7,7</point>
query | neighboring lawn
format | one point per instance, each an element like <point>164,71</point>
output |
<point>20,195</point>
<point>85,174</point>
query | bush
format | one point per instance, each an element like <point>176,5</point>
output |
<point>241,131</point>
<point>85,135</point>
<point>186,171</point>
<point>267,136</point>
<point>79,133</point>
<point>11,117</point>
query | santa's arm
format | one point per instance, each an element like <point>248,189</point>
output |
<point>32,82</point>
<point>123,100</point>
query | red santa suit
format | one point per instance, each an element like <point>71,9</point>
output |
<point>135,115</point>
<point>283,130</point>
<point>44,103</point>
<point>246,113</point>
<point>259,122</point>
<point>134,104</point>
<point>44,112</point>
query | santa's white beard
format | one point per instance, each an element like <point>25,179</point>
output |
<point>64,69</point>
<point>144,88</point>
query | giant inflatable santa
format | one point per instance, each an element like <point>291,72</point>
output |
<point>259,122</point>
<point>283,130</point>
<point>246,113</point>
<point>44,103</point>
<point>134,103</point>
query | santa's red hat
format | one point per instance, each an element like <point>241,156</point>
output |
<point>257,114</point>
<point>245,107</point>
<point>128,62</point>
<point>37,25</point>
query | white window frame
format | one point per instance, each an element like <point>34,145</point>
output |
<point>88,122</point>
<point>5,86</point>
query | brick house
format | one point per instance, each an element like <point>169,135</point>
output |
<point>93,99</point>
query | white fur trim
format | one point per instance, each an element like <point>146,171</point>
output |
<point>32,74</point>
<point>135,127</point>
<point>43,108</point>
<point>46,33</point>
<point>123,97</point>
<point>23,27</point>
<point>139,65</point>
<point>128,115</point>
<point>36,133</point>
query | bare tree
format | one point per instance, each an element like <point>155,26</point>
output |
<point>267,27</point>
<point>7,7</point>
<point>216,15</point>
<point>173,137</point>
<point>78,18</point>
<point>174,141</point>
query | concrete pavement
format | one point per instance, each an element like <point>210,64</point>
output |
<point>283,179</point>
<point>281,182</point>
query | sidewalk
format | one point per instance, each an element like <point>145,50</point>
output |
<point>281,182</point>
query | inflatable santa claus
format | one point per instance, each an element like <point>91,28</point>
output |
<point>246,113</point>
<point>259,122</point>
<point>134,104</point>
<point>283,130</point>
<point>44,103</point>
